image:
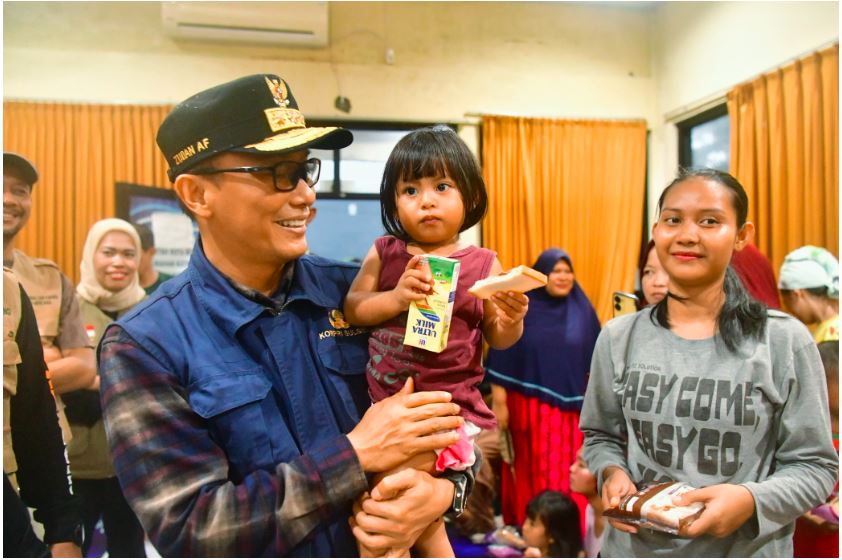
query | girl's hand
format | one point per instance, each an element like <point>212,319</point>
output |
<point>414,284</point>
<point>615,487</point>
<point>511,307</point>
<point>727,507</point>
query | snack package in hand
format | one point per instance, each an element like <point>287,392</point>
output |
<point>652,508</point>
<point>519,279</point>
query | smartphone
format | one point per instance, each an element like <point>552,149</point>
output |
<point>624,303</point>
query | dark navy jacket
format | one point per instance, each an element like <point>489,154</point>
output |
<point>271,386</point>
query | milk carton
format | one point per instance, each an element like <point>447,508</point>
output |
<point>428,320</point>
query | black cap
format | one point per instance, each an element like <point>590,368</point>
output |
<point>254,114</point>
<point>27,170</point>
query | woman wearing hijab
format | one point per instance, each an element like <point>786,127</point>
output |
<point>109,287</point>
<point>539,384</point>
<point>809,284</point>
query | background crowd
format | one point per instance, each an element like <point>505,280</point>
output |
<point>542,490</point>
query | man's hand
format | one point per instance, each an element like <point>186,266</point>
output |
<point>511,307</point>
<point>399,509</point>
<point>65,550</point>
<point>617,485</point>
<point>727,507</point>
<point>404,425</point>
<point>52,353</point>
<point>414,284</point>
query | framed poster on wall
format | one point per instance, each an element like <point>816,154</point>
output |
<point>159,209</point>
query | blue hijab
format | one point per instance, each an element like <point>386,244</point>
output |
<point>552,359</point>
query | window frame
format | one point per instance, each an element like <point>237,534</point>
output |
<point>685,127</point>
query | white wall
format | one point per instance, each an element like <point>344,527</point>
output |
<point>541,59</point>
<point>702,49</point>
<point>558,59</point>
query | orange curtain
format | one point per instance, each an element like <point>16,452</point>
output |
<point>80,151</point>
<point>785,151</point>
<point>573,184</point>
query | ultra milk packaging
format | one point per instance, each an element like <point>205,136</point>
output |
<point>428,320</point>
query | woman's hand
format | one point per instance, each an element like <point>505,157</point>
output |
<point>414,284</point>
<point>404,425</point>
<point>617,485</point>
<point>727,508</point>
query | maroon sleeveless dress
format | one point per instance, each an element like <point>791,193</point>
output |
<point>456,369</point>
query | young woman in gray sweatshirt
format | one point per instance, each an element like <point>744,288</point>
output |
<point>710,388</point>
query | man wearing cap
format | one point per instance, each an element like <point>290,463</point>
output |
<point>67,349</point>
<point>234,398</point>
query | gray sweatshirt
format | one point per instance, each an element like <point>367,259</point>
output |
<point>667,408</point>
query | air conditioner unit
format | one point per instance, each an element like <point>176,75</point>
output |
<point>302,24</point>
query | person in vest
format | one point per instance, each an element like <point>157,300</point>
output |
<point>234,397</point>
<point>108,288</point>
<point>69,356</point>
<point>34,466</point>
<point>150,277</point>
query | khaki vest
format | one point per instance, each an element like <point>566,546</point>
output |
<point>41,279</point>
<point>11,359</point>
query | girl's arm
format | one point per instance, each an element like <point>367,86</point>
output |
<point>603,422</point>
<point>365,306</point>
<point>502,323</point>
<point>604,426</point>
<point>499,405</point>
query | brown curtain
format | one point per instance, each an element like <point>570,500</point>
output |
<point>573,184</point>
<point>80,151</point>
<point>785,151</point>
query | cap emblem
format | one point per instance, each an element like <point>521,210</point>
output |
<point>279,91</point>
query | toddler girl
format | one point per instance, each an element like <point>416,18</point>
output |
<point>432,190</point>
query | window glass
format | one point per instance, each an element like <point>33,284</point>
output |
<point>710,143</point>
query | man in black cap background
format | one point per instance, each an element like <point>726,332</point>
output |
<point>67,349</point>
<point>234,398</point>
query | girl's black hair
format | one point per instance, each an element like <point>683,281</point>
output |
<point>433,151</point>
<point>741,316</point>
<point>560,517</point>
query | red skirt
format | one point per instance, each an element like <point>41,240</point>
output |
<point>545,440</point>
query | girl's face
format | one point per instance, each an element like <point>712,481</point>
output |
<point>655,280</point>
<point>560,279</point>
<point>535,533</point>
<point>582,479</point>
<point>430,209</point>
<point>697,232</point>
<point>115,261</point>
